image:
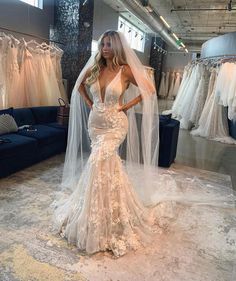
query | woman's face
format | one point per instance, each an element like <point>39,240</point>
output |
<point>107,51</point>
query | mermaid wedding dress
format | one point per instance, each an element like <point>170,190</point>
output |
<point>107,209</point>
<point>104,213</point>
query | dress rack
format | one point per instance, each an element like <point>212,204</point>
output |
<point>28,34</point>
<point>219,56</point>
<point>215,60</point>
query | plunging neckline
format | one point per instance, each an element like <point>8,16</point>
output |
<point>100,91</point>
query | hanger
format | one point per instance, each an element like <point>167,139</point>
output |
<point>33,42</point>
<point>56,48</point>
<point>14,42</point>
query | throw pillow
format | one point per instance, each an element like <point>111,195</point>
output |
<point>7,124</point>
<point>7,111</point>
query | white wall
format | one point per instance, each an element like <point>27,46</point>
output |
<point>19,16</point>
<point>106,18</point>
<point>176,61</point>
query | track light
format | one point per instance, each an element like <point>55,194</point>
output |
<point>165,22</point>
<point>175,36</point>
<point>129,30</point>
<point>121,24</point>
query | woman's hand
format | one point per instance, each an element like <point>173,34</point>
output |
<point>122,108</point>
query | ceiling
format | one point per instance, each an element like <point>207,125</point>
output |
<point>193,27</point>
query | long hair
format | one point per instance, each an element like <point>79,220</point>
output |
<point>118,59</point>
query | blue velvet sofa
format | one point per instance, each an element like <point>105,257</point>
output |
<point>27,147</point>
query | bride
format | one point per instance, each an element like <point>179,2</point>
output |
<point>107,205</point>
<point>103,212</point>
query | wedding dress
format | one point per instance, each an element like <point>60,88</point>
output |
<point>104,212</point>
<point>176,85</point>
<point>172,83</point>
<point>162,90</point>
<point>105,203</point>
<point>213,123</point>
<point>13,74</point>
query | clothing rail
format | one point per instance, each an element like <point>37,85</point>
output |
<point>216,59</point>
<point>28,34</point>
<point>219,56</point>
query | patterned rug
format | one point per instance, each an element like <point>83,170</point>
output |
<point>29,251</point>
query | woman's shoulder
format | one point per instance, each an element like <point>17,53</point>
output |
<point>126,69</point>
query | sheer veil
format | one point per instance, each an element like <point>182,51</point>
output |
<point>141,149</point>
<point>153,185</point>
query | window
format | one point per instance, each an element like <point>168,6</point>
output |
<point>94,46</point>
<point>134,36</point>
<point>36,3</point>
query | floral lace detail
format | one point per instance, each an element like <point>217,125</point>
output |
<point>104,212</point>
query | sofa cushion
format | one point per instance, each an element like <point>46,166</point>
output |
<point>23,116</point>
<point>7,124</point>
<point>44,134</point>
<point>7,111</point>
<point>17,145</point>
<point>58,126</point>
<point>45,114</point>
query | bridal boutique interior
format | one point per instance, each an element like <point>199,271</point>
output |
<point>191,48</point>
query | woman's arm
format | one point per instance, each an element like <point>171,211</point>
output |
<point>83,91</point>
<point>130,104</point>
<point>130,79</point>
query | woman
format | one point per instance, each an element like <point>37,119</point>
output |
<point>103,212</point>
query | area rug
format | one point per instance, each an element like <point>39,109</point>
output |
<point>30,251</point>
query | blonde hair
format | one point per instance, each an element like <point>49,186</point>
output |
<point>118,59</point>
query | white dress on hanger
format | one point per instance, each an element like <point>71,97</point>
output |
<point>162,89</point>
<point>1,74</point>
<point>226,88</point>
<point>186,106</point>
<point>176,85</point>
<point>167,83</point>
<point>172,83</point>
<point>182,91</point>
<point>200,97</point>
<point>4,45</point>
<point>213,123</point>
<point>53,91</point>
<point>13,74</point>
<point>28,81</point>
<point>56,56</point>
